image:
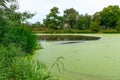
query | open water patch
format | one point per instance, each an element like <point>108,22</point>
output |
<point>66,38</point>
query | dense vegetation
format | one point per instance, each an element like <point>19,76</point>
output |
<point>14,65</point>
<point>12,29</point>
<point>107,20</point>
<point>17,42</point>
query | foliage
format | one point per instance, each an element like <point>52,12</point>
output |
<point>109,16</point>
<point>37,24</point>
<point>83,22</point>
<point>23,37</point>
<point>94,26</point>
<point>11,26</point>
<point>96,17</point>
<point>64,31</point>
<point>10,15</point>
<point>13,66</point>
<point>53,21</point>
<point>71,16</point>
<point>15,42</point>
<point>118,25</point>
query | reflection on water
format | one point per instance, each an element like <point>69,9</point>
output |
<point>70,37</point>
<point>85,60</point>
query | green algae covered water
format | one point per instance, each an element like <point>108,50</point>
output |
<point>85,60</point>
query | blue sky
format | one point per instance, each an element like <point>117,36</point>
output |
<point>42,7</point>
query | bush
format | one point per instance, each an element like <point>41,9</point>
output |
<point>22,37</point>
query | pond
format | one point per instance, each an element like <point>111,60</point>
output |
<point>84,59</point>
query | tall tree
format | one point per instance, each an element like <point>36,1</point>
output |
<point>83,22</point>
<point>109,16</point>
<point>52,19</point>
<point>71,17</point>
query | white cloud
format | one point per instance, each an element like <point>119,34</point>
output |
<point>42,7</point>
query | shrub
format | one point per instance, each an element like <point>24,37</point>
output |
<point>22,37</point>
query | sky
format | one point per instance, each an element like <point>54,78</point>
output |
<point>42,7</point>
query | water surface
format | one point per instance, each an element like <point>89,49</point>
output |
<point>85,60</point>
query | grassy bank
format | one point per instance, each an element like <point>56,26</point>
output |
<point>75,31</point>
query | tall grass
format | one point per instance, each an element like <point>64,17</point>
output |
<point>14,65</point>
<point>58,62</point>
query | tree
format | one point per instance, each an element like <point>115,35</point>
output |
<point>83,22</point>
<point>71,17</point>
<point>118,25</point>
<point>10,14</point>
<point>109,16</point>
<point>96,17</point>
<point>52,20</point>
<point>36,25</point>
<point>94,26</point>
<point>12,29</point>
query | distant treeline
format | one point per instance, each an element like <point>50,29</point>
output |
<point>107,19</point>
